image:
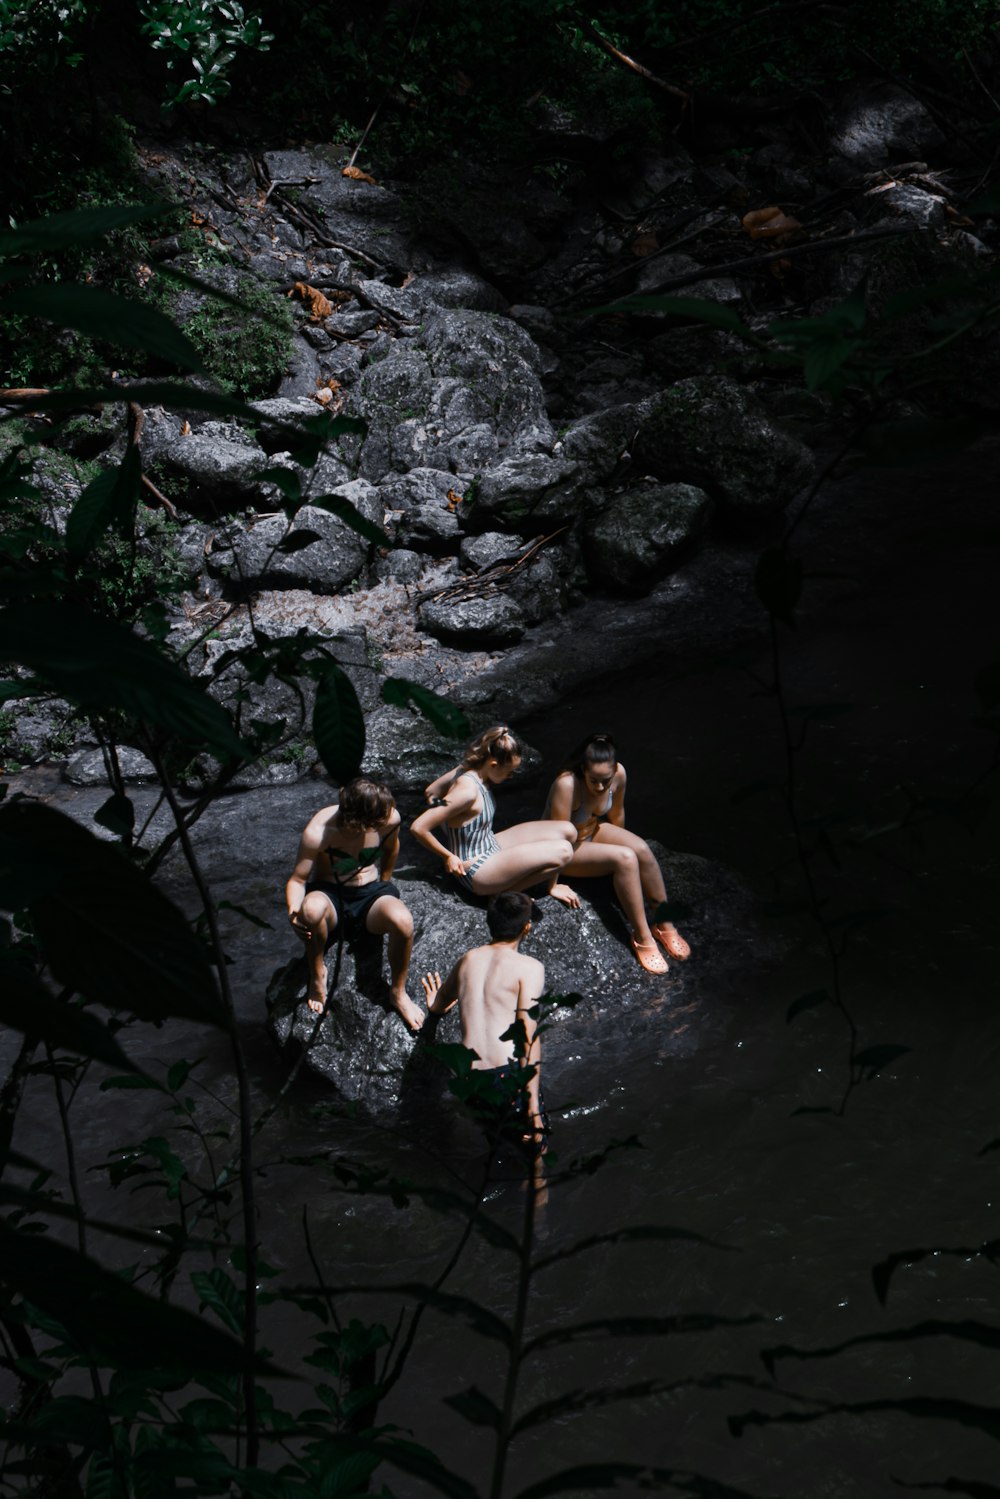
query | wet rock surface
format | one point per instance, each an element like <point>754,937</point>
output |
<point>364,1050</point>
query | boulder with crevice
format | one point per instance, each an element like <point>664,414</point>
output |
<point>530,493</point>
<point>320,552</point>
<point>644,534</point>
<point>711,432</point>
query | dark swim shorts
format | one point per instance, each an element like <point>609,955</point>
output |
<point>353,902</point>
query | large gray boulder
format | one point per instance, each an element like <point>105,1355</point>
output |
<point>321,553</point>
<point>491,620</point>
<point>879,123</point>
<point>452,398</point>
<point>219,461</point>
<point>364,1050</point>
<point>644,533</point>
<point>711,432</point>
<point>530,493</point>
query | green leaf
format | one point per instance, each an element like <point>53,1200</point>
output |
<point>639,1234</point>
<point>691,309</point>
<point>117,814</point>
<point>824,358</point>
<point>922,1407</point>
<point>295,541</point>
<point>105,929</point>
<point>874,1058</point>
<point>778,582</point>
<point>121,321</point>
<point>445,717</point>
<point>286,480</point>
<point>108,500</point>
<point>634,1327</point>
<point>28,1007</point>
<point>228,905</point>
<point>109,1320</point>
<point>338,725</point>
<point>337,505</point>
<point>476,1407</point>
<point>219,1291</point>
<point>62,231</point>
<point>98,664</point>
<point>810,1001</point>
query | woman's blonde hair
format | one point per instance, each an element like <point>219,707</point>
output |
<point>499,743</point>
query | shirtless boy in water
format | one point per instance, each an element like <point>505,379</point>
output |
<point>494,986</point>
<point>335,881</point>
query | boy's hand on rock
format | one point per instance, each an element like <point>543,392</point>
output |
<point>431,983</point>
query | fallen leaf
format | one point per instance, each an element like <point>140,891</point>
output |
<point>357,175</point>
<point>454,500</point>
<point>320,307</point>
<point>645,244</point>
<point>769,223</point>
<point>185,428</point>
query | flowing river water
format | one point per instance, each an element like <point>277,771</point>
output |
<point>898,620</point>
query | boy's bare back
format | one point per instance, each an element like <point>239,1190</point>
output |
<point>493,983</point>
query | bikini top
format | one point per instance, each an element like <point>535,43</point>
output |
<point>361,860</point>
<point>580,815</point>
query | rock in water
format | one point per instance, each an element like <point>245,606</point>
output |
<point>362,1047</point>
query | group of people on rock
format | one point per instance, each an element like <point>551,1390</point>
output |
<point>343,879</point>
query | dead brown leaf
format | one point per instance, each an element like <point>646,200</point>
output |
<point>645,244</point>
<point>357,175</point>
<point>320,307</point>
<point>769,223</point>
<point>454,500</point>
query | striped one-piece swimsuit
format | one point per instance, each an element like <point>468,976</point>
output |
<point>475,839</point>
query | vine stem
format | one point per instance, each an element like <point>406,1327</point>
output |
<point>531,1190</point>
<point>246,1125</point>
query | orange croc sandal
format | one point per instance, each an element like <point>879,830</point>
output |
<point>667,934</point>
<point>649,957</point>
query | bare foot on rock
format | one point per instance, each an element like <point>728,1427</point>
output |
<point>316,1003</point>
<point>411,1013</point>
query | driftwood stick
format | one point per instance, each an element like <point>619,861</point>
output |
<point>161,499</point>
<point>636,67</point>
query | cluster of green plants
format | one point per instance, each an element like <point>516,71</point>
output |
<point>245,342</point>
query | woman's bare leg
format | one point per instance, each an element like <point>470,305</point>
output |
<point>536,832</point>
<point>620,862</point>
<point>651,877</point>
<point>319,916</point>
<point>522,865</point>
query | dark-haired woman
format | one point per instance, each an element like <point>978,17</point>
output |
<point>458,824</point>
<point>590,792</point>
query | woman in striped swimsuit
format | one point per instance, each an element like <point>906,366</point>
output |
<point>461,811</point>
<point>590,790</point>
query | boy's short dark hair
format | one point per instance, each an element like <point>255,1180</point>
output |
<point>364,803</point>
<point>508,915</point>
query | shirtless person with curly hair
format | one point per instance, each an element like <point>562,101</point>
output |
<point>336,883</point>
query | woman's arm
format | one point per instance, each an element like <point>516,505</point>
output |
<point>530,989</point>
<point>440,788</point>
<point>617,813</point>
<point>560,803</point>
<point>389,850</point>
<point>422,827</point>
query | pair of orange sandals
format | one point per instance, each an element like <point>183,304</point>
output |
<point>670,938</point>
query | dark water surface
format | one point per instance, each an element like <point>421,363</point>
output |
<point>805,1203</point>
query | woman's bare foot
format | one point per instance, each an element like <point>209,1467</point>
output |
<point>316,1003</point>
<point>411,1013</point>
<point>667,934</point>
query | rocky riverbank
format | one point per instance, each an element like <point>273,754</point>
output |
<point>560,486</point>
